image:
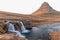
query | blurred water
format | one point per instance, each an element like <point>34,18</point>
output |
<point>23,29</point>
<point>41,31</point>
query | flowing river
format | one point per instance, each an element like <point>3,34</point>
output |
<point>41,32</point>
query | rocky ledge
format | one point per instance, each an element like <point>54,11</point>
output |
<point>11,36</point>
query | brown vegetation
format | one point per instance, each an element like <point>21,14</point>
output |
<point>10,37</point>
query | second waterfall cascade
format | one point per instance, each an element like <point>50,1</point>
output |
<point>24,30</point>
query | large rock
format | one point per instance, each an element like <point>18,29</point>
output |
<point>55,35</point>
<point>27,24</point>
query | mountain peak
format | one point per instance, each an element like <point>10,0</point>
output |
<point>45,8</point>
<point>45,3</point>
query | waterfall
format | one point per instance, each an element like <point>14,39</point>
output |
<point>22,26</point>
<point>12,29</point>
<point>24,30</point>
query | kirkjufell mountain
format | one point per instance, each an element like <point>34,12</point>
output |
<point>45,14</point>
<point>45,8</point>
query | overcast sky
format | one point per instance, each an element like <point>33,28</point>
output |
<point>26,6</point>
